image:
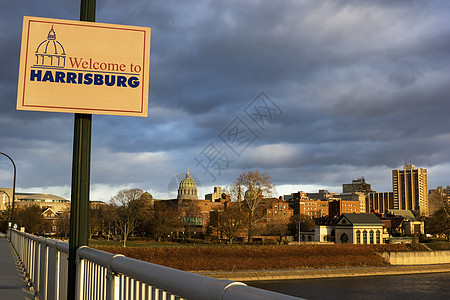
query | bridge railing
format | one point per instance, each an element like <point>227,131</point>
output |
<point>102,275</point>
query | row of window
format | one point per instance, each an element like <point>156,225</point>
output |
<point>188,192</point>
<point>371,237</point>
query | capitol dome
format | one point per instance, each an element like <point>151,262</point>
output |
<point>50,52</point>
<point>187,188</point>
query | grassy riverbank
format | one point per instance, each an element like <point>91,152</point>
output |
<point>240,258</point>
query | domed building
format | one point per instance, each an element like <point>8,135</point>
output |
<point>188,188</point>
<point>148,199</point>
<point>50,52</point>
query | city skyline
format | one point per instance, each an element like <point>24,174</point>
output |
<point>324,92</point>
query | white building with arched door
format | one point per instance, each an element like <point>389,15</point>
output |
<point>358,229</point>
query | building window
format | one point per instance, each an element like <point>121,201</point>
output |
<point>371,237</point>
<point>364,237</point>
<point>358,237</point>
<point>378,237</point>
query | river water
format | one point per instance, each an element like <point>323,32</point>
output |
<point>419,286</point>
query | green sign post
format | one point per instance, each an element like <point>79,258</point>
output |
<point>81,164</point>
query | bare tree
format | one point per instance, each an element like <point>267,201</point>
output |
<point>439,223</point>
<point>191,215</point>
<point>31,218</point>
<point>300,222</point>
<point>4,216</point>
<point>96,216</point>
<point>63,223</point>
<point>251,188</point>
<point>277,226</point>
<point>231,221</point>
<point>128,209</point>
<point>436,201</point>
<point>164,220</point>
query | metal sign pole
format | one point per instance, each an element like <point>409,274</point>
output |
<point>81,161</point>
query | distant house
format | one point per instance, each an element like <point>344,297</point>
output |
<point>51,217</point>
<point>411,226</point>
<point>358,229</point>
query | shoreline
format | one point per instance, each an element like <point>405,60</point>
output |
<point>248,276</point>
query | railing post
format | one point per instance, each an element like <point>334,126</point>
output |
<point>112,281</point>
<point>63,269</point>
<point>36,265</point>
<point>30,259</point>
<point>43,269</point>
<point>80,281</point>
<point>52,269</point>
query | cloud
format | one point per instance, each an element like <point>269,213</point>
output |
<point>362,85</point>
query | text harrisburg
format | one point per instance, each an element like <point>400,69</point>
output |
<point>86,78</point>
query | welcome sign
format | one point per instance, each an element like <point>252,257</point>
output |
<point>84,67</point>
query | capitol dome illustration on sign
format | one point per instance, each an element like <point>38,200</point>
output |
<point>50,52</point>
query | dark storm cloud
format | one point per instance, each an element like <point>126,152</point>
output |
<point>362,85</point>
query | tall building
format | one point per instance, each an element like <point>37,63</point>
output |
<point>217,196</point>
<point>188,188</point>
<point>410,189</point>
<point>379,202</point>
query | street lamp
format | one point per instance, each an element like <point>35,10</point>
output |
<point>14,185</point>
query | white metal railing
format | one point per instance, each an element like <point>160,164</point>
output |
<point>102,275</point>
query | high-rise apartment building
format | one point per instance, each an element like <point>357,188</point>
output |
<point>410,189</point>
<point>379,202</point>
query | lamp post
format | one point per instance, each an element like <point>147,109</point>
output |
<point>14,185</point>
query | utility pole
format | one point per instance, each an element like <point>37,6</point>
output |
<point>79,208</point>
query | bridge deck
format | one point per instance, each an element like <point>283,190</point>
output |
<point>12,284</point>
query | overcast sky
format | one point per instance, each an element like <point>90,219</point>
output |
<point>314,93</point>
